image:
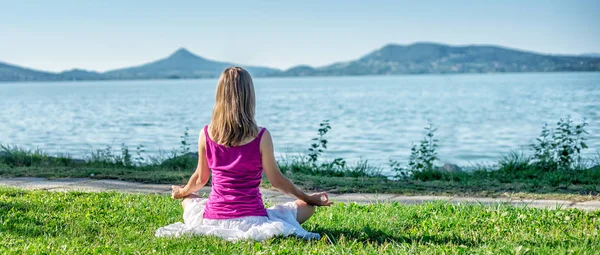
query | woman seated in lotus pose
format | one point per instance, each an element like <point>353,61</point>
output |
<point>237,152</point>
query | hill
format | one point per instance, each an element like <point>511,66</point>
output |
<point>418,58</point>
<point>592,55</point>
<point>80,74</point>
<point>10,72</point>
<point>422,58</point>
<point>182,64</point>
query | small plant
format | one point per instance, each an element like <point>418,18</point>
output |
<point>560,149</point>
<point>595,161</point>
<point>401,172</point>
<point>338,164</point>
<point>102,156</point>
<point>106,157</point>
<point>139,159</point>
<point>125,158</point>
<point>544,149</point>
<point>423,157</point>
<point>320,143</point>
<point>570,142</point>
<point>185,146</point>
<point>363,168</point>
<point>337,167</point>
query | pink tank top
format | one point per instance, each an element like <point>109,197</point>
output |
<point>236,175</point>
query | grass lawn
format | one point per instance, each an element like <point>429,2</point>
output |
<point>83,223</point>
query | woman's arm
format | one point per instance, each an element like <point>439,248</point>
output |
<point>279,181</point>
<point>200,176</point>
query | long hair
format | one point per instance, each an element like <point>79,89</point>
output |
<point>233,114</point>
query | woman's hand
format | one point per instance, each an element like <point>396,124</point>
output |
<point>177,192</point>
<point>318,199</point>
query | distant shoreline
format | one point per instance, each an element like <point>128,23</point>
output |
<point>301,76</point>
<point>391,59</point>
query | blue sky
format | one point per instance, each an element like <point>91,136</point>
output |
<point>100,35</point>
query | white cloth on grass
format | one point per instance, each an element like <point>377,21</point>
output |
<point>280,221</point>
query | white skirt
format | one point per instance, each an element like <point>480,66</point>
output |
<point>280,221</point>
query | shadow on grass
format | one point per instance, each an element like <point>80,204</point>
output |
<point>379,237</point>
<point>21,225</point>
<point>8,206</point>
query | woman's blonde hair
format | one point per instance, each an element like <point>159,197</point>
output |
<point>233,114</point>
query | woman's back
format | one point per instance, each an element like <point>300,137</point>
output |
<point>236,175</point>
<point>234,209</point>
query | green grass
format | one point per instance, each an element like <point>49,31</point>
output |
<point>152,175</point>
<point>35,222</point>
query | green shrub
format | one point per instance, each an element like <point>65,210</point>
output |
<point>320,143</point>
<point>185,145</point>
<point>560,148</point>
<point>301,164</point>
<point>422,157</point>
<point>311,165</point>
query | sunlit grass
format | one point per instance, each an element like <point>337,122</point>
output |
<point>83,223</point>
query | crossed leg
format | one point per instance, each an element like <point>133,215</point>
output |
<point>305,211</point>
<point>186,200</point>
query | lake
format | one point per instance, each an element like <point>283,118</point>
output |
<point>479,117</point>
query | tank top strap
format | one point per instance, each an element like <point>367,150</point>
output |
<point>258,137</point>
<point>206,136</point>
<point>260,133</point>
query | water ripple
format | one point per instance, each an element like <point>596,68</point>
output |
<point>480,117</point>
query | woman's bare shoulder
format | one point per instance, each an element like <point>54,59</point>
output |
<point>266,140</point>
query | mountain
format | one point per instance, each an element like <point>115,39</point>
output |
<point>391,59</point>
<point>16,73</point>
<point>80,74</point>
<point>301,70</point>
<point>182,64</point>
<point>421,58</point>
<point>591,55</point>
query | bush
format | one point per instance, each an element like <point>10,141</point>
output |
<point>303,165</point>
<point>320,144</point>
<point>560,149</point>
<point>338,167</point>
<point>422,157</point>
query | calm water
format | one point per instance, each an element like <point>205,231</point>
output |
<point>480,117</point>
